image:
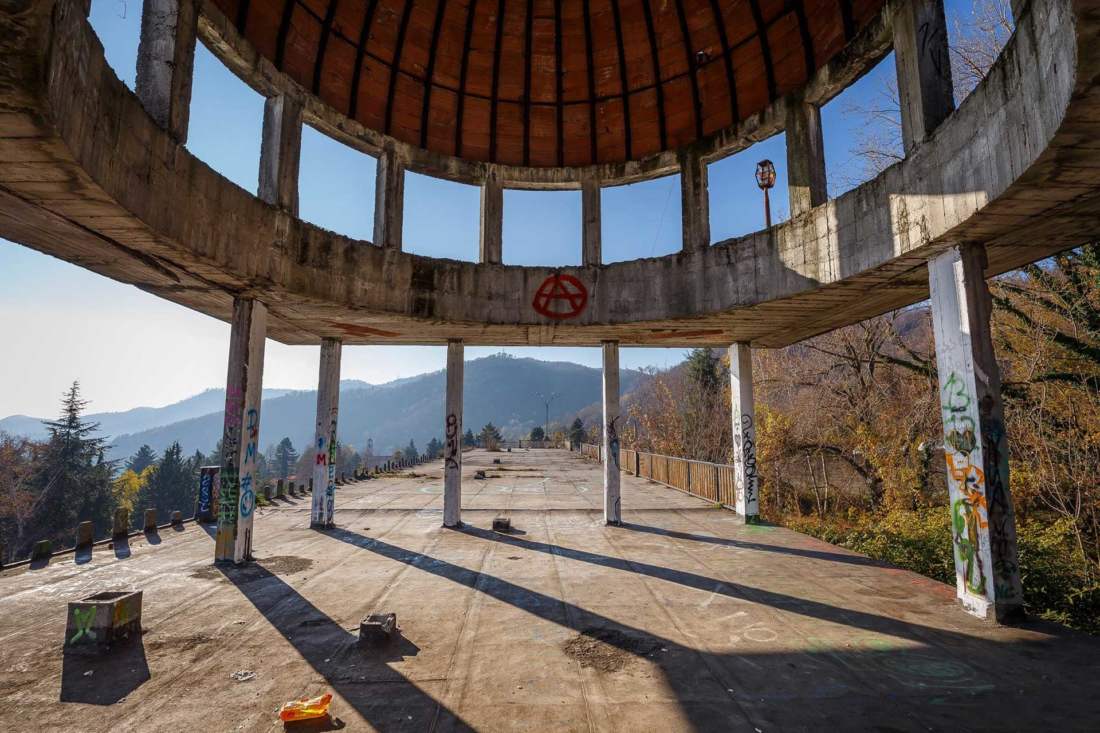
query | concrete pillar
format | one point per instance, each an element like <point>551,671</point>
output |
<point>121,525</point>
<point>745,477</point>
<point>241,434</point>
<point>165,63</point>
<point>694,200</point>
<point>324,442</point>
<point>924,69</point>
<point>612,511</point>
<point>150,521</point>
<point>591,230</point>
<point>85,535</point>
<point>805,157</point>
<point>492,221</point>
<point>975,448</point>
<point>389,199</point>
<point>452,444</point>
<point>281,152</point>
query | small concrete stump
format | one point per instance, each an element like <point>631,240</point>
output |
<point>268,491</point>
<point>496,461</point>
<point>377,629</point>
<point>280,488</point>
<point>502,524</point>
<point>290,489</point>
<point>121,526</point>
<point>479,475</point>
<point>84,535</point>
<point>102,619</point>
<point>177,518</point>
<point>150,520</point>
<point>41,550</point>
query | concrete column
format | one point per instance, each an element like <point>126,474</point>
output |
<point>492,221</point>
<point>805,157</point>
<point>746,480</point>
<point>591,230</point>
<point>612,510</point>
<point>452,446</point>
<point>165,63</point>
<point>241,434</point>
<point>389,199</point>
<point>280,153</point>
<point>975,446</point>
<point>324,443</point>
<point>924,69</point>
<point>694,200</point>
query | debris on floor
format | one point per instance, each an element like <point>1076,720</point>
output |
<point>305,708</point>
<point>377,628</point>
<point>479,475</point>
<point>609,650</point>
<point>242,675</point>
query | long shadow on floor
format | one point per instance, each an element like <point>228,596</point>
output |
<point>104,678</point>
<point>839,680</point>
<point>385,698</point>
<point>851,559</point>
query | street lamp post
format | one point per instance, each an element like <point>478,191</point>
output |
<point>765,179</point>
<point>546,401</point>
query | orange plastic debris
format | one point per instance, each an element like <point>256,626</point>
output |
<point>306,708</point>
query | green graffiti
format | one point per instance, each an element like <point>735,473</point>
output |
<point>962,442</point>
<point>82,619</point>
<point>965,519</point>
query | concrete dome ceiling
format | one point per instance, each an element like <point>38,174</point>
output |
<point>549,83</point>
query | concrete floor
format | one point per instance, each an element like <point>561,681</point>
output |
<point>680,620</point>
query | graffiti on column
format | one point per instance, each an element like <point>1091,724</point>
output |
<point>746,479</point>
<point>248,494</point>
<point>451,454</point>
<point>330,488</point>
<point>230,473</point>
<point>966,482</point>
<point>207,479</point>
<point>613,441</point>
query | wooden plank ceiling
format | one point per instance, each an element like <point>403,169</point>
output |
<point>549,83</point>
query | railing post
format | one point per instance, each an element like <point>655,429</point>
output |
<point>923,63</point>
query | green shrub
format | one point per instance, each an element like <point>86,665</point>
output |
<point>1058,584</point>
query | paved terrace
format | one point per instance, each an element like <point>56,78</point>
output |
<point>681,619</point>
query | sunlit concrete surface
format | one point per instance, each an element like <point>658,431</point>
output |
<point>681,619</point>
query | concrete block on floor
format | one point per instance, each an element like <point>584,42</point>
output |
<point>96,622</point>
<point>121,525</point>
<point>41,550</point>
<point>177,518</point>
<point>150,520</point>
<point>376,629</point>
<point>502,524</point>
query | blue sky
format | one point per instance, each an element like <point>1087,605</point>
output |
<point>129,348</point>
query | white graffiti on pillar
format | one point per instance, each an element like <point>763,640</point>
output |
<point>451,451</point>
<point>744,459</point>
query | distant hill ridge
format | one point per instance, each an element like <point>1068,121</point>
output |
<point>498,388</point>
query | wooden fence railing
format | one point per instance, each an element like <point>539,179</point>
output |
<point>711,481</point>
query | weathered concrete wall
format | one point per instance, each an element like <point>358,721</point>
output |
<point>99,184</point>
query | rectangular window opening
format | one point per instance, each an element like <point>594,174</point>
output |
<point>226,123</point>
<point>641,219</point>
<point>736,200</point>
<point>442,218</point>
<point>336,186</point>
<point>542,228</point>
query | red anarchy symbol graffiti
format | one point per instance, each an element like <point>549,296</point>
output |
<point>560,297</point>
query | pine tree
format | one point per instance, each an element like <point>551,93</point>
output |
<point>286,458</point>
<point>171,485</point>
<point>576,431</point>
<point>468,439</point>
<point>73,480</point>
<point>141,460</point>
<point>537,433</point>
<point>411,453</point>
<point>490,437</point>
<point>434,449</point>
